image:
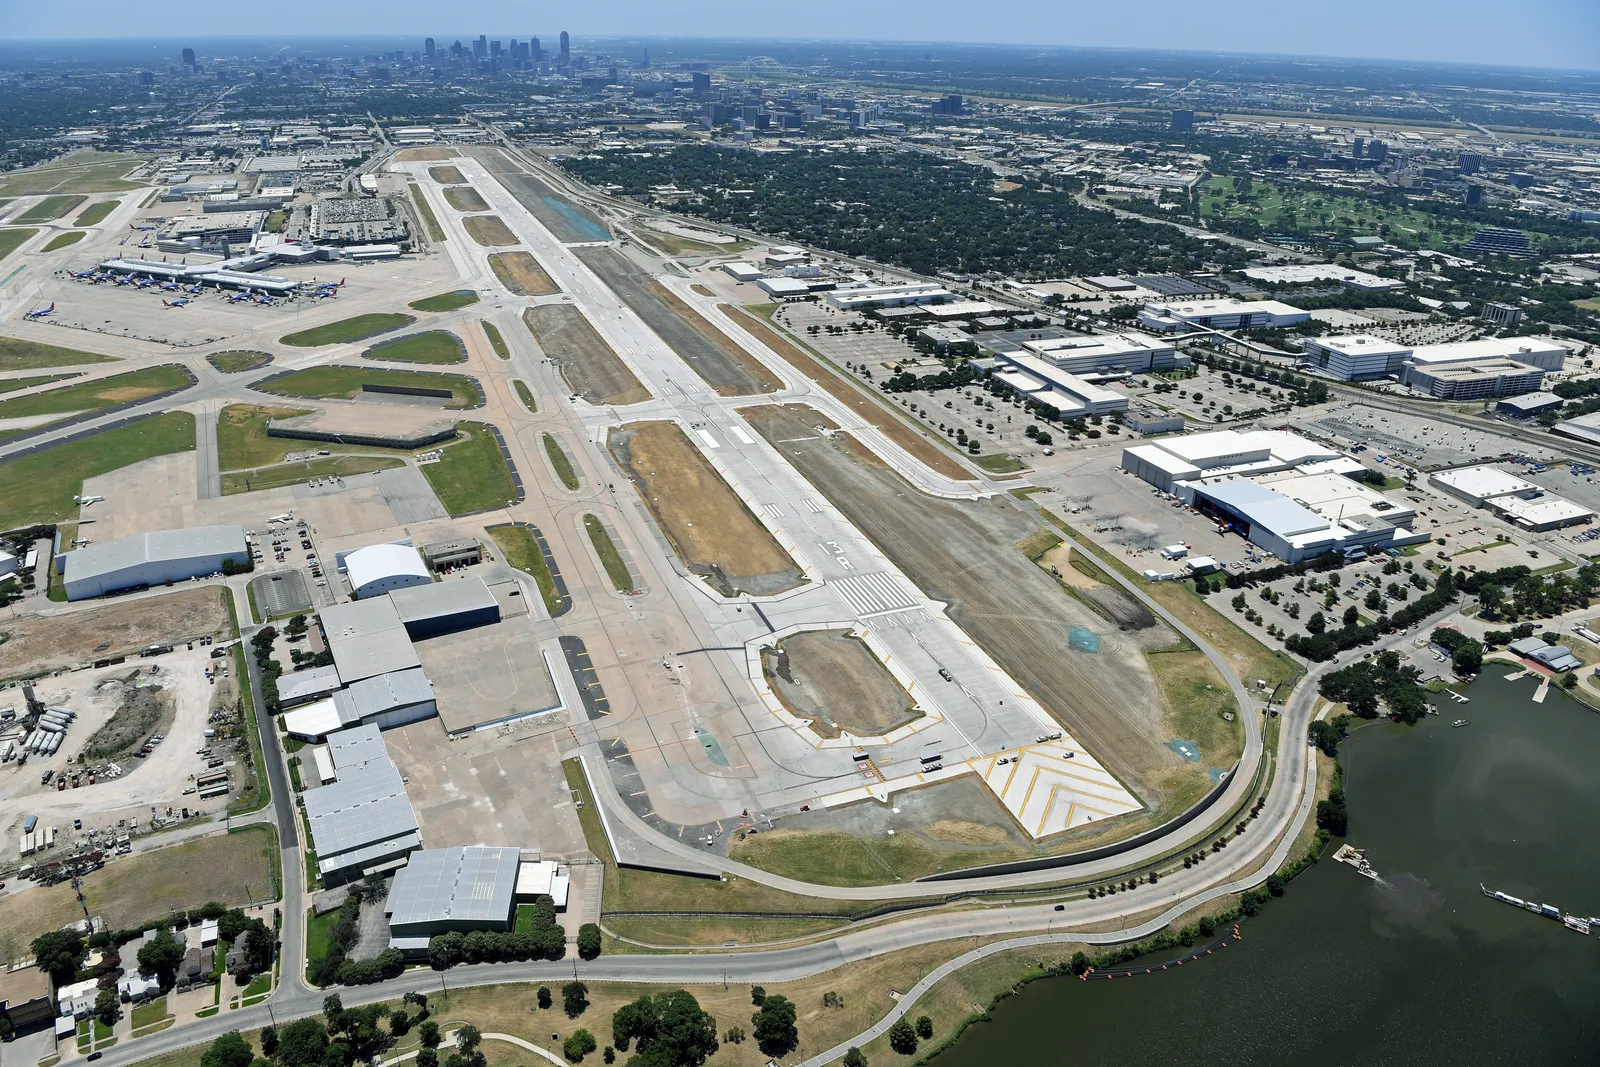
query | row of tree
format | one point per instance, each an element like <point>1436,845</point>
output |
<point>1324,646</point>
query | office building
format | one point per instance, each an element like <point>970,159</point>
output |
<point>152,559</point>
<point>1501,316</point>
<point>1479,379</point>
<point>1533,351</point>
<point>867,297</point>
<point>701,81</point>
<point>1112,353</point>
<point>1494,241</point>
<point>188,60</point>
<point>1469,162</point>
<point>565,59</point>
<point>1220,315</point>
<point>1356,357</point>
<point>1066,395</point>
<point>947,105</point>
<point>1182,121</point>
<point>445,890</point>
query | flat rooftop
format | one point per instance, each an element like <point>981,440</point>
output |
<point>1485,348</point>
<point>489,675</point>
<point>466,884</point>
<point>367,638</point>
<point>1485,483</point>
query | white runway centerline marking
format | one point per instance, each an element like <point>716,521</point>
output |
<point>740,436</point>
<point>711,442</point>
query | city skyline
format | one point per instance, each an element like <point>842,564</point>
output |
<point>1547,34</point>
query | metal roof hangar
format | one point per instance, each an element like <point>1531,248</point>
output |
<point>151,559</point>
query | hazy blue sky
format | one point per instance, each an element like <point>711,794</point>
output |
<point>1557,33</point>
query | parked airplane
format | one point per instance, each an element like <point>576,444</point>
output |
<point>267,300</point>
<point>236,297</point>
<point>170,287</point>
<point>80,542</point>
<point>196,290</point>
<point>285,517</point>
<point>82,273</point>
<point>147,283</point>
<point>174,303</point>
<point>87,500</point>
<point>42,312</point>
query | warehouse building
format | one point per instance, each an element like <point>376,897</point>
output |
<point>152,559</point>
<point>1291,530</point>
<point>444,890</point>
<point>367,639</point>
<point>1513,499</point>
<point>1220,315</point>
<point>741,271</point>
<point>363,821</point>
<point>385,701</point>
<point>445,607</point>
<point>1531,351</point>
<point>26,997</point>
<point>1310,273</point>
<point>302,687</point>
<point>1529,405</point>
<point>1356,357</point>
<point>457,552</point>
<point>382,568</point>
<point>1111,353</point>
<point>1224,453</point>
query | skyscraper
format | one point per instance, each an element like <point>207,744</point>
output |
<point>1182,120</point>
<point>566,49</point>
<point>188,58</point>
<point>427,47</point>
<point>535,52</point>
<point>480,47</point>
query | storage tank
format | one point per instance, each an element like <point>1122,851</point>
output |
<point>55,717</point>
<point>54,743</point>
<point>36,740</point>
<point>6,750</point>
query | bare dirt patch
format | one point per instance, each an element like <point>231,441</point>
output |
<point>31,645</point>
<point>588,364</point>
<point>423,155</point>
<point>140,713</point>
<point>465,198</point>
<point>521,273</point>
<point>964,554</point>
<point>918,446</point>
<point>446,175</point>
<point>1079,577</point>
<point>712,531</point>
<point>833,679</point>
<point>489,230</point>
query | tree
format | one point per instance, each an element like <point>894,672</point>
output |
<point>229,1050</point>
<point>589,940</point>
<point>428,1034</point>
<point>427,1057</point>
<point>269,1040</point>
<point>579,1045</point>
<point>303,1043</point>
<point>610,1054</point>
<point>1316,624</point>
<point>774,1027</point>
<point>61,952</point>
<point>1080,962</point>
<point>544,996</point>
<point>1326,736</point>
<point>333,1012</point>
<point>468,1037</point>
<point>107,1008</point>
<point>1468,658</point>
<point>924,1027</point>
<point>854,1058</point>
<point>669,1029</point>
<point>574,999</point>
<point>902,1038</point>
<point>399,1022</point>
<point>160,958</point>
<point>758,995</point>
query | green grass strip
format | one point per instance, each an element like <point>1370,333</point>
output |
<point>63,240</point>
<point>446,301</point>
<point>496,342</point>
<point>472,476</point>
<point>559,460</point>
<point>525,394</point>
<point>610,558</point>
<point>345,330</point>
<point>95,213</point>
<point>40,487</point>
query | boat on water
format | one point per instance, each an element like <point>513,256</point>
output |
<point>1461,722</point>
<point>1576,923</point>
<point>1357,859</point>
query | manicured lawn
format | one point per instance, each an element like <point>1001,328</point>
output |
<point>17,354</point>
<point>521,550</point>
<point>434,346</point>
<point>294,473</point>
<point>321,383</point>
<point>95,213</point>
<point>51,207</point>
<point>149,1014</point>
<point>496,342</point>
<point>239,362</point>
<point>12,385</point>
<point>998,463</point>
<point>82,172</point>
<point>610,558</point>
<point>523,393</point>
<point>40,487</point>
<point>473,475</point>
<point>63,240</point>
<point>242,439</point>
<point>11,240</point>
<point>96,395</point>
<point>446,301</point>
<point>318,927</point>
<point>559,460</point>
<point>355,329</point>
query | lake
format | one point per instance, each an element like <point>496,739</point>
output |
<point>1417,968</point>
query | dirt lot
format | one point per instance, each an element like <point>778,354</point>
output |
<point>834,680</point>
<point>1082,579</point>
<point>726,367</point>
<point>965,554</point>
<point>489,231</point>
<point>712,531</point>
<point>588,364</point>
<point>464,199</point>
<point>423,155</point>
<point>892,427</point>
<point>31,645</point>
<point>521,273</point>
<point>146,885</point>
<point>446,175</point>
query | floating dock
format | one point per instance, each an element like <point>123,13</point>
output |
<point>1357,859</point>
<point>1576,923</point>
